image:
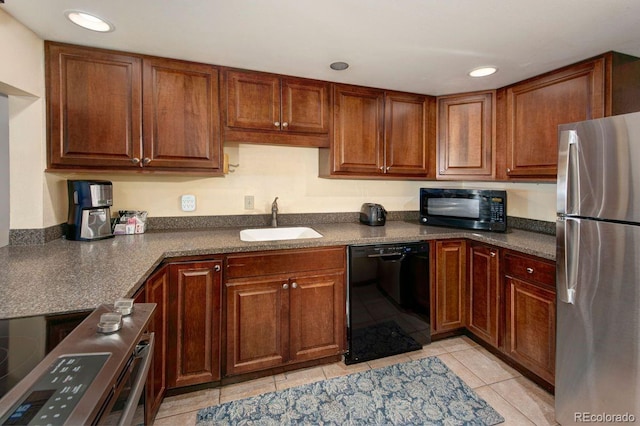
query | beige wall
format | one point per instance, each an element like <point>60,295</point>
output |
<point>39,199</point>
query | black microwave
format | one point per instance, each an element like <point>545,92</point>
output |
<point>480,209</point>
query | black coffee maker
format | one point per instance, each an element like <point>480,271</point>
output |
<point>90,204</point>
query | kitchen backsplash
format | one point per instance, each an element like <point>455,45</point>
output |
<point>23,237</point>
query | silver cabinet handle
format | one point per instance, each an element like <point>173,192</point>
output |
<point>277,124</point>
<point>146,160</point>
<point>492,254</point>
<point>529,270</point>
<point>294,285</point>
<point>217,268</point>
<point>135,160</point>
<point>508,170</point>
<point>285,286</point>
<point>285,124</point>
<point>388,168</point>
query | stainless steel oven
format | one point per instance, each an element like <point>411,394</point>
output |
<point>96,375</point>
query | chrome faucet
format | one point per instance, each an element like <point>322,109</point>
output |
<point>274,213</point>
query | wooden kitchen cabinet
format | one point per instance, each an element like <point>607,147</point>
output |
<point>530,306</point>
<point>284,307</point>
<point>157,291</point>
<point>535,108</point>
<point>111,110</point>
<point>273,109</point>
<point>380,134</point>
<point>181,116</point>
<point>94,108</point>
<point>466,136</point>
<point>194,323</point>
<point>448,292</point>
<point>483,292</point>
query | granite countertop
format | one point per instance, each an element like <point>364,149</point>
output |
<point>67,276</point>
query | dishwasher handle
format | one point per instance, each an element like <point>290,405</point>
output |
<point>390,257</point>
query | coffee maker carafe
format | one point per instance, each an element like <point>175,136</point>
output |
<point>90,204</point>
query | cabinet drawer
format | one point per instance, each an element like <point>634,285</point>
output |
<point>530,269</point>
<point>284,261</point>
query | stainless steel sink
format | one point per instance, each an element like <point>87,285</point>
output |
<point>275,234</point>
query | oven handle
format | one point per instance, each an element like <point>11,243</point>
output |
<point>146,355</point>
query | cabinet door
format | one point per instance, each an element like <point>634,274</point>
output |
<point>252,100</point>
<point>449,289</point>
<point>317,315</point>
<point>483,292</point>
<point>305,106</point>
<point>536,107</point>
<point>157,291</point>
<point>194,326</point>
<point>358,126</point>
<point>531,326</point>
<point>257,312</point>
<point>406,134</point>
<point>181,115</point>
<point>466,132</point>
<point>94,107</point>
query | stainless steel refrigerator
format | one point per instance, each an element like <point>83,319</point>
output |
<point>598,272</point>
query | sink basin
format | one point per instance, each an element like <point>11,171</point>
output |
<point>274,234</point>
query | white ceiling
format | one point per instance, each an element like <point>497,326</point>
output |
<point>422,46</point>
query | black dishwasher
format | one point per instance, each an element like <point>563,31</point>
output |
<point>388,300</point>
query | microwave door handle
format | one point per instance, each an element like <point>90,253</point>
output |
<point>568,144</point>
<point>138,385</point>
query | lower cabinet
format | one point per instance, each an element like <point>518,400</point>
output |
<point>284,307</point>
<point>530,306</point>
<point>448,289</point>
<point>157,291</point>
<point>193,341</point>
<point>483,292</point>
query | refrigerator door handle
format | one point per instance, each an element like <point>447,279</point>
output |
<point>567,144</point>
<point>568,253</point>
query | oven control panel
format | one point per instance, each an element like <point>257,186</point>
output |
<point>53,397</point>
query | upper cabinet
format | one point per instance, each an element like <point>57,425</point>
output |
<point>533,109</point>
<point>466,136</point>
<point>94,108</point>
<point>536,107</point>
<point>115,111</point>
<point>378,134</point>
<point>272,109</point>
<point>181,118</point>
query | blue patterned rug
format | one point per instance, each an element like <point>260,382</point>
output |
<point>422,392</point>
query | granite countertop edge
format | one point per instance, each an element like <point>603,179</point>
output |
<point>69,276</point>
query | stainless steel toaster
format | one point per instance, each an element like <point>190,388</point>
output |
<point>373,214</point>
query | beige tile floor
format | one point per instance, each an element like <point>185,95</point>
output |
<point>517,399</point>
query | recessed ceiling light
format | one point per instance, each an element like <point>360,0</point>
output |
<point>339,66</point>
<point>89,21</point>
<point>483,71</point>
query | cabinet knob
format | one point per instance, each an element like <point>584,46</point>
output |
<point>217,268</point>
<point>382,168</point>
<point>135,160</point>
<point>146,160</point>
<point>508,170</point>
<point>277,124</point>
<point>285,124</point>
<point>388,168</point>
<point>294,285</point>
<point>285,286</point>
<point>441,171</point>
<point>492,254</point>
<point>529,270</point>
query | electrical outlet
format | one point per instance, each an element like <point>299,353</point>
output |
<point>248,202</point>
<point>188,203</point>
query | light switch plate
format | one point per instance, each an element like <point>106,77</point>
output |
<point>188,203</point>
<point>248,202</point>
